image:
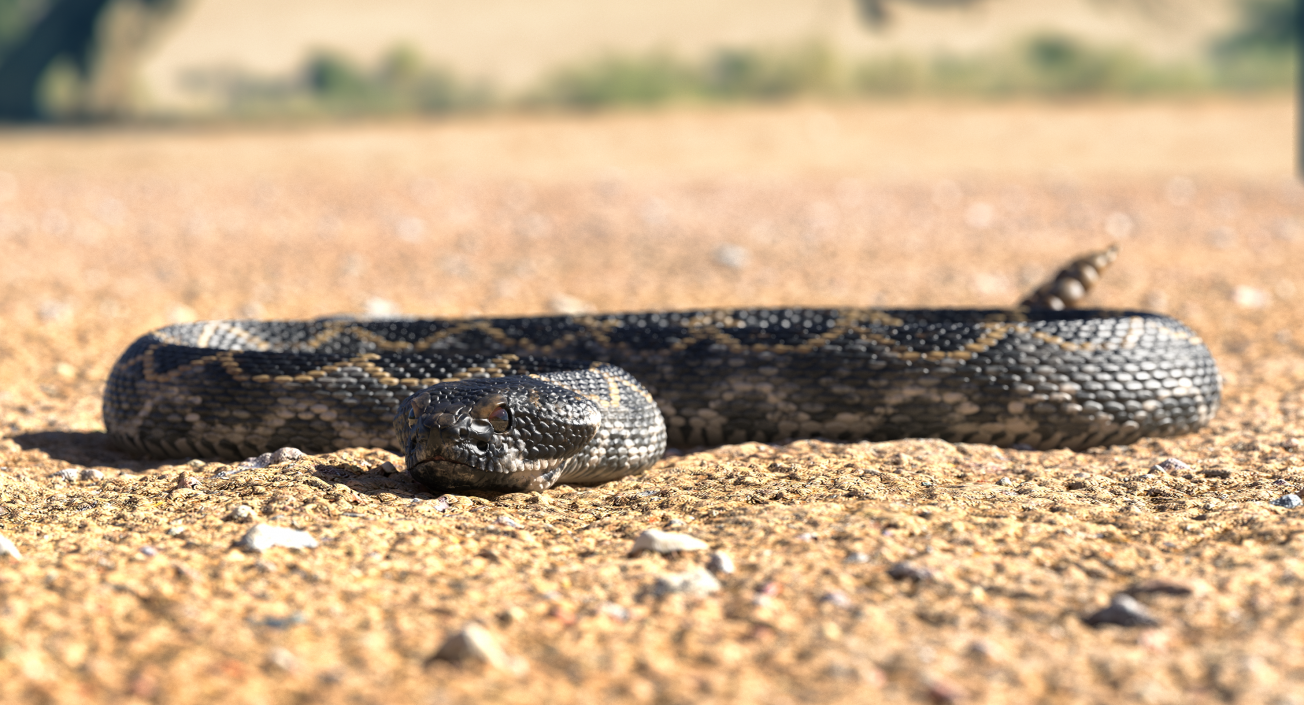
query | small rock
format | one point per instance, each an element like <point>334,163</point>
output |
<point>511,615</point>
<point>280,455</point>
<point>8,548</point>
<point>659,541</point>
<point>474,644</point>
<point>263,536</point>
<point>733,257</point>
<point>807,537</point>
<point>568,305</point>
<point>720,563</point>
<point>69,474</point>
<point>837,599</point>
<point>1124,611</point>
<point>909,571</point>
<point>282,659</point>
<point>148,551</point>
<point>388,468</point>
<point>186,481</point>
<point>944,693</point>
<point>1005,482</point>
<point>91,475</point>
<point>507,521</point>
<point>1289,501</point>
<point>619,613</point>
<point>242,513</point>
<point>856,557</point>
<point>694,583</point>
<point>1171,466</point>
<point>176,530</point>
<point>196,464</point>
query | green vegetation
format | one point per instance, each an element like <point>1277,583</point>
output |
<point>1047,65</point>
<point>332,84</point>
<point>1257,56</point>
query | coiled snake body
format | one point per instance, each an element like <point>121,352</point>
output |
<point>523,403</point>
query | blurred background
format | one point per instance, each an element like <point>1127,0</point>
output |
<point>240,59</point>
<point>174,160</point>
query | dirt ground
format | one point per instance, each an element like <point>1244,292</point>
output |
<point>913,571</point>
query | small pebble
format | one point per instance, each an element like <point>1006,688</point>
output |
<point>474,644</point>
<point>69,474</point>
<point>1005,482</point>
<point>242,513</point>
<point>282,659</point>
<point>186,481</point>
<point>263,536</point>
<point>695,583</point>
<point>909,571</point>
<point>8,548</point>
<point>388,468</point>
<point>507,521</point>
<point>619,613</point>
<point>837,599</point>
<point>149,551</point>
<point>511,615</point>
<point>1171,466</point>
<point>281,455</point>
<point>91,475</point>
<point>1289,501</point>
<point>856,557</point>
<point>196,463</point>
<point>807,537</point>
<point>176,530</point>
<point>659,541</point>
<point>1124,611</point>
<point>720,563</point>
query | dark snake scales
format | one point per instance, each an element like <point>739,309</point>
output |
<point>523,403</point>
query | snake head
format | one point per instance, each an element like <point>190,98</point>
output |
<point>505,434</point>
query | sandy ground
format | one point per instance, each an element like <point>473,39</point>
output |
<point>131,586</point>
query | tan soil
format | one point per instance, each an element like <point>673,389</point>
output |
<point>130,588</point>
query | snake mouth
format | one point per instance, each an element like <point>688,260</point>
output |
<point>442,474</point>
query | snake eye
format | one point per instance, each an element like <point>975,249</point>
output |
<point>500,418</point>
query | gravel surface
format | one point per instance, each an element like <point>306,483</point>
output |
<point>911,571</point>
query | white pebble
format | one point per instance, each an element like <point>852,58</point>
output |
<point>281,455</point>
<point>242,513</point>
<point>263,536</point>
<point>721,563</point>
<point>474,643</point>
<point>1171,465</point>
<point>666,542</point>
<point>695,583</point>
<point>8,548</point>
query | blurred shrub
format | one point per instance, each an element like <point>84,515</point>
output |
<point>617,80</point>
<point>1261,52</point>
<point>332,84</point>
<point>1256,57</point>
<point>731,74</point>
<point>810,68</point>
<point>1043,65</point>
